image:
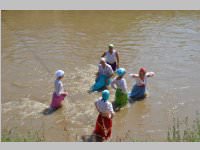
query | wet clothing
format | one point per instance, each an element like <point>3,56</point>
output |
<point>104,107</point>
<point>58,87</point>
<point>121,98</point>
<point>103,127</point>
<point>103,123</point>
<point>121,84</point>
<point>114,66</point>
<point>100,83</point>
<point>57,97</point>
<point>137,92</point>
<point>104,74</point>
<point>111,59</point>
<point>105,71</point>
<point>56,100</point>
<point>139,89</point>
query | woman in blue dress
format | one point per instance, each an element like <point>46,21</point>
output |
<point>103,76</point>
<point>139,89</point>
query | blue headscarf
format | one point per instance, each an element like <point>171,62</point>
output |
<point>120,71</point>
<point>105,95</point>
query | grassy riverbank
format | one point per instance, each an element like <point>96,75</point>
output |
<point>10,136</point>
<point>180,131</point>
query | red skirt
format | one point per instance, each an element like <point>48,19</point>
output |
<point>103,127</point>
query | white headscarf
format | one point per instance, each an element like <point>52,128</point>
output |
<point>103,59</point>
<point>59,73</point>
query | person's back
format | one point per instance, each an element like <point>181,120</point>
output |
<point>104,107</point>
<point>111,58</point>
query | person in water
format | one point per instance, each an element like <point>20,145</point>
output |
<point>103,76</point>
<point>121,94</point>
<point>139,89</point>
<point>103,127</point>
<point>59,94</point>
<point>112,57</point>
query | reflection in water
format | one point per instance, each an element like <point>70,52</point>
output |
<point>37,43</point>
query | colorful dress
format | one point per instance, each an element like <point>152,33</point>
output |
<point>57,97</point>
<point>121,94</point>
<point>139,89</point>
<point>104,74</point>
<point>104,124</point>
<point>111,59</point>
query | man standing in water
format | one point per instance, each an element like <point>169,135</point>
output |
<point>112,57</point>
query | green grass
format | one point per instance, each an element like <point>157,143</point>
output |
<point>8,136</point>
<point>181,132</point>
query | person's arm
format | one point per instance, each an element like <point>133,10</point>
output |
<point>111,111</point>
<point>96,106</point>
<point>117,55</point>
<point>150,74</point>
<point>124,87</point>
<point>112,114</point>
<point>134,75</point>
<point>103,54</point>
<point>97,74</point>
<point>113,84</point>
<point>58,88</point>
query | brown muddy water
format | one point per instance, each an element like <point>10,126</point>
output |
<point>37,43</point>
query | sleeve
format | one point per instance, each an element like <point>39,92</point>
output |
<point>110,70</point>
<point>150,74</point>
<point>134,75</point>
<point>113,83</point>
<point>58,88</point>
<point>99,68</point>
<point>110,107</point>
<point>124,86</point>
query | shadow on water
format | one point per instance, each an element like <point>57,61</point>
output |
<point>92,138</point>
<point>49,111</point>
<point>133,100</point>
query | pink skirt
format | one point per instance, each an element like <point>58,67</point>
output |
<point>56,100</point>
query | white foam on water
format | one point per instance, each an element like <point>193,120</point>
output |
<point>24,108</point>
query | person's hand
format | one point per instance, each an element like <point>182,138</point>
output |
<point>65,94</point>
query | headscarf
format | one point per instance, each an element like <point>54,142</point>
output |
<point>120,71</point>
<point>103,59</point>
<point>142,70</point>
<point>105,95</point>
<point>111,45</point>
<point>59,73</point>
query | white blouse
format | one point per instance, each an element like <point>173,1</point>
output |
<point>104,107</point>
<point>105,71</point>
<point>111,58</point>
<point>58,87</point>
<point>121,84</point>
<point>141,82</point>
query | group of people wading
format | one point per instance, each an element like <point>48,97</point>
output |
<point>109,73</point>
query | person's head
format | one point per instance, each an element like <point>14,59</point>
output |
<point>103,61</point>
<point>110,48</point>
<point>105,95</point>
<point>121,72</point>
<point>59,74</point>
<point>142,72</point>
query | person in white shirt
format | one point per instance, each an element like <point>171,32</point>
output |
<point>104,120</point>
<point>103,76</point>
<point>139,89</point>
<point>119,84</point>
<point>59,93</point>
<point>112,57</point>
